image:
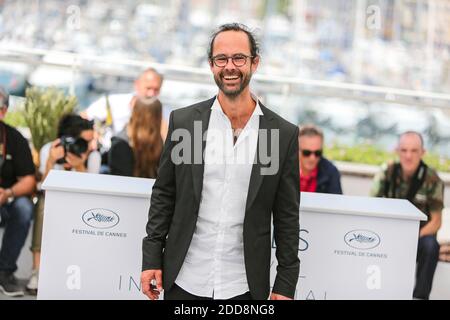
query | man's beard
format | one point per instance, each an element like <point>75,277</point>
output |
<point>232,94</point>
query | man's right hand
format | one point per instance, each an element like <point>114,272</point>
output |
<point>148,288</point>
<point>3,196</point>
<point>56,152</point>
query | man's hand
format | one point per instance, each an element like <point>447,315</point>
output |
<point>56,152</point>
<point>76,162</point>
<point>149,289</point>
<point>276,296</point>
<point>433,225</point>
<point>3,196</point>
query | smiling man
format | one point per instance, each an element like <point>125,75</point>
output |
<point>412,179</point>
<point>209,223</point>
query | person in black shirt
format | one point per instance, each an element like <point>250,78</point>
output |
<point>17,183</point>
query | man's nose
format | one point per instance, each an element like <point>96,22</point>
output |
<point>151,93</point>
<point>230,65</point>
<point>409,155</point>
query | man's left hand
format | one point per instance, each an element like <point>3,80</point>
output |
<point>3,196</point>
<point>76,162</point>
<point>276,296</point>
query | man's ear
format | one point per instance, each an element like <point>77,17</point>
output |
<point>255,63</point>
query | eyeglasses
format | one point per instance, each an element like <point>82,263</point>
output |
<point>238,60</point>
<point>307,153</point>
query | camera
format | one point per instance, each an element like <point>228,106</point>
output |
<point>76,146</point>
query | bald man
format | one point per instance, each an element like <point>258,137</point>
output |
<point>147,85</point>
<point>410,178</point>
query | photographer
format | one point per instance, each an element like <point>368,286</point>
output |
<point>17,182</point>
<point>75,150</point>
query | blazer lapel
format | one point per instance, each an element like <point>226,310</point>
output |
<point>256,178</point>
<point>200,119</point>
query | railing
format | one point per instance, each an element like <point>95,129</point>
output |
<point>285,86</point>
<point>264,83</point>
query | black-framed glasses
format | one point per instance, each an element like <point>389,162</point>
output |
<point>238,60</point>
<point>317,153</point>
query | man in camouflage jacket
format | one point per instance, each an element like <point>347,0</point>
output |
<point>412,179</point>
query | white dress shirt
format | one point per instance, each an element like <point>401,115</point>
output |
<point>214,264</point>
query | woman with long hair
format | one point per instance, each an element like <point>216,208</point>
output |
<point>136,150</point>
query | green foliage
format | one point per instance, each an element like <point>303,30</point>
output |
<point>439,163</point>
<point>271,6</point>
<point>369,154</point>
<point>42,111</point>
<point>15,119</point>
<point>283,6</point>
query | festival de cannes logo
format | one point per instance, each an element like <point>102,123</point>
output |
<point>100,218</point>
<point>362,239</point>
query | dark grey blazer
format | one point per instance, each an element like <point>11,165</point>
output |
<point>176,198</point>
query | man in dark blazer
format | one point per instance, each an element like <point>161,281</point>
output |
<point>209,224</point>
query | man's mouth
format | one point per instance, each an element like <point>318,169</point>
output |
<point>230,78</point>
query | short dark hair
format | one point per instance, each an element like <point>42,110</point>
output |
<point>72,125</point>
<point>4,97</point>
<point>254,45</point>
<point>310,130</point>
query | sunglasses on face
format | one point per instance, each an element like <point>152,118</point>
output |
<point>307,153</point>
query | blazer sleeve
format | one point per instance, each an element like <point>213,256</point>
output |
<point>162,206</point>
<point>286,223</point>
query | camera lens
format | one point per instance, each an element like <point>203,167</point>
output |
<point>77,147</point>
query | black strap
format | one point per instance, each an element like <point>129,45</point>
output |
<point>390,182</point>
<point>417,181</point>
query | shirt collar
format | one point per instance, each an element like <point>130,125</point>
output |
<point>256,112</point>
<point>312,175</point>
